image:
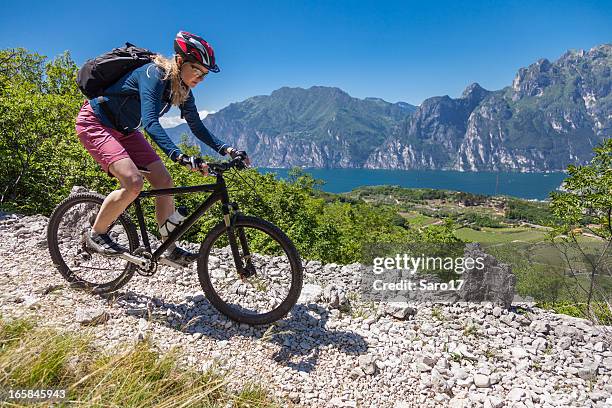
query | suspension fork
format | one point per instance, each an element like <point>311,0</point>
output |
<point>231,236</point>
<point>230,212</point>
<point>246,251</point>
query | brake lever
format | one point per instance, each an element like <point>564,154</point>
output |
<point>239,163</point>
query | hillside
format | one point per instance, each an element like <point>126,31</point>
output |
<point>468,209</point>
<point>316,127</point>
<point>420,355</point>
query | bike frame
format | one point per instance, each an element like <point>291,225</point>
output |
<point>218,192</point>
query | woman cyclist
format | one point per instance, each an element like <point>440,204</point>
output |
<point>107,127</point>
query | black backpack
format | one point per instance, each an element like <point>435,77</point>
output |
<point>99,73</point>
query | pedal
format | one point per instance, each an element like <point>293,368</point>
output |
<point>165,261</point>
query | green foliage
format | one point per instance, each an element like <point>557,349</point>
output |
<point>586,206</point>
<point>532,212</point>
<point>359,225</point>
<point>252,396</point>
<point>588,195</point>
<point>402,195</point>
<point>440,233</point>
<point>474,219</point>
<point>599,311</point>
<point>41,157</point>
<point>541,284</point>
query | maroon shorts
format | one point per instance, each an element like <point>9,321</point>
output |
<point>107,145</point>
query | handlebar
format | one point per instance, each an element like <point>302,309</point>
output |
<point>214,168</point>
<point>219,168</point>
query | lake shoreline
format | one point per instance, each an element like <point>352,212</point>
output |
<point>524,185</point>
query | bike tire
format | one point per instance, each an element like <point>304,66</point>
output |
<point>290,251</point>
<point>58,246</point>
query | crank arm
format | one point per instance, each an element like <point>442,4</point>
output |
<point>141,262</point>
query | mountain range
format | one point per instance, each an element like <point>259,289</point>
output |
<point>552,115</point>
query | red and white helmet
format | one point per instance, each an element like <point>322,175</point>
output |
<point>193,48</point>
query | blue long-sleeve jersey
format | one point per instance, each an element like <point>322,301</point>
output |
<point>140,98</point>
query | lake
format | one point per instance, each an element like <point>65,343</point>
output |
<point>522,185</point>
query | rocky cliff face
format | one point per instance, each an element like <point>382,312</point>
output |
<point>430,137</point>
<point>551,116</point>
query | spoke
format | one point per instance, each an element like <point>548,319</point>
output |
<point>267,288</point>
<point>92,268</point>
<point>85,266</point>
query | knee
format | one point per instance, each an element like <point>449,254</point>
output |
<point>161,179</point>
<point>133,184</point>
<point>165,181</point>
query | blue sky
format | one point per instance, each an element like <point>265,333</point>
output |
<point>395,50</point>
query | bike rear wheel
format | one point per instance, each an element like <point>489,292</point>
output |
<point>68,223</point>
<point>271,260</point>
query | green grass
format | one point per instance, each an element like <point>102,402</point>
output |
<point>11,333</point>
<point>471,330</point>
<point>437,314</point>
<point>138,376</point>
<point>251,396</point>
<point>599,311</point>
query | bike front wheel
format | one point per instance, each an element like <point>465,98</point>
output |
<point>69,222</point>
<point>267,286</point>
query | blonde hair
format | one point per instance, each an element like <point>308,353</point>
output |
<point>180,91</point>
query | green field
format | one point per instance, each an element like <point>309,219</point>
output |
<point>417,219</point>
<point>501,235</point>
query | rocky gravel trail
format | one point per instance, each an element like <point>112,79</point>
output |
<point>326,353</point>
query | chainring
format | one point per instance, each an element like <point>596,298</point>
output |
<point>142,252</point>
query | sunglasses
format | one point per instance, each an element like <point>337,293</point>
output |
<point>198,72</point>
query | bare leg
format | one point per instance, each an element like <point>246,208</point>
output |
<point>164,206</point>
<point>160,178</point>
<point>116,202</point>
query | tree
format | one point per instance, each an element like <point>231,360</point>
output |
<point>584,236</point>
<point>40,154</point>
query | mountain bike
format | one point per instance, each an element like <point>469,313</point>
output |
<point>247,267</point>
